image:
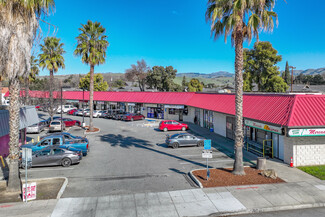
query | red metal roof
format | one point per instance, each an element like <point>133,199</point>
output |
<point>308,110</point>
<point>284,110</point>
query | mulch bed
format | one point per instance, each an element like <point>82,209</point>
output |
<point>95,129</point>
<point>223,177</point>
<point>45,189</point>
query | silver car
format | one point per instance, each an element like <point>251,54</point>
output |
<point>184,139</point>
<point>36,128</point>
<point>56,126</point>
<point>55,155</point>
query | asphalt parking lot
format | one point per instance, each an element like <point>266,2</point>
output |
<point>129,157</point>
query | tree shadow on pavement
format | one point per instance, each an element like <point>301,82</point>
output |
<point>129,142</point>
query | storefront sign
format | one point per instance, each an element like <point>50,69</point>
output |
<point>113,103</point>
<point>151,105</point>
<point>266,127</point>
<point>73,101</point>
<point>306,132</point>
<point>131,104</point>
<point>175,106</point>
<point>100,102</point>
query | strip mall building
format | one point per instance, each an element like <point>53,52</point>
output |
<point>278,125</point>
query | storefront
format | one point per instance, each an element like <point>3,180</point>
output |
<point>134,107</point>
<point>100,105</point>
<point>155,111</point>
<point>197,116</point>
<point>176,112</point>
<point>263,139</point>
<point>208,119</point>
<point>230,127</point>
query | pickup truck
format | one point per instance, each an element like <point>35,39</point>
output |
<point>58,140</point>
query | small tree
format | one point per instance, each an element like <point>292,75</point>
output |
<point>138,73</point>
<point>99,83</point>
<point>286,73</point>
<point>195,85</point>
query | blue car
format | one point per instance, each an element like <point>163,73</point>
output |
<point>68,137</point>
<point>59,140</point>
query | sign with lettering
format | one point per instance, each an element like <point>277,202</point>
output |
<point>31,191</point>
<point>306,132</point>
<point>174,106</point>
<point>206,153</point>
<point>266,127</point>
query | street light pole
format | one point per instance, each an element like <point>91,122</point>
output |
<point>292,68</point>
<point>83,102</point>
<point>61,112</point>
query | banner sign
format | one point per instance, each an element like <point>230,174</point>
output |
<point>175,106</point>
<point>266,127</point>
<point>31,191</point>
<point>306,132</point>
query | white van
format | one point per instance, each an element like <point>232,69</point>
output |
<point>66,108</point>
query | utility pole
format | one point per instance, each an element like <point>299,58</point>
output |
<point>83,102</point>
<point>292,68</point>
<point>61,111</point>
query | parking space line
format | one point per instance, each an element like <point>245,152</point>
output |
<point>40,170</point>
<point>218,161</point>
<point>199,155</point>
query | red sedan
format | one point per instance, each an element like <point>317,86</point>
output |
<point>70,112</point>
<point>69,122</point>
<point>133,117</point>
<point>172,125</point>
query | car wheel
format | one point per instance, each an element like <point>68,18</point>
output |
<point>131,119</point>
<point>165,129</point>
<point>66,162</point>
<point>183,128</point>
<point>175,145</point>
<point>200,144</point>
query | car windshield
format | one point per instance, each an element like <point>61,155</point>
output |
<point>55,123</point>
<point>175,135</point>
<point>34,125</point>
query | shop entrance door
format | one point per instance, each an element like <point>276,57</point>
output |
<point>180,115</point>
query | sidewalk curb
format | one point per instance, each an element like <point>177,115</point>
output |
<point>195,179</point>
<point>62,187</point>
<point>271,209</point>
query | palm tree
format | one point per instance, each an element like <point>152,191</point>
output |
<point>34,70</point>
<point>241,19</point>
<point>52,59</point>
<point>18,27</point>
<point>92,45</point>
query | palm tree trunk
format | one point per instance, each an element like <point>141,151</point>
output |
<point>51,110</point>
<point>27,92</point>
<point>14,176</point>
<point>91,97</point>
<point>238,164</point>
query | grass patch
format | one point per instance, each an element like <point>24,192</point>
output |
<point>317,171</point>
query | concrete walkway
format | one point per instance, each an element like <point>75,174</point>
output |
<point>198,202</point>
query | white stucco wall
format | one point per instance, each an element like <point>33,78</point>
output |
<point>219,123</point>
<point>190,116</point>
<point>304,150</point>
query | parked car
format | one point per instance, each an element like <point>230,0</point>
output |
<point>71,111</point>
<point>133,117</point>
<point>184,139</point>
<point>76,113</point>
<point>102,114</point>
<point>65,108</point>
<point>55,155</point>
<point>58,140</point>
<point>68,137</point>
<point>69,122</point>
<point>56,125</point>
<point>54,118</point>
<point>82,112</point>
<point>172,125</point>
<point>95,113</point>
<point>37,128</point>
<point>119,114</point>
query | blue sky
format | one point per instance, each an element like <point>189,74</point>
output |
<point>174,32</point>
